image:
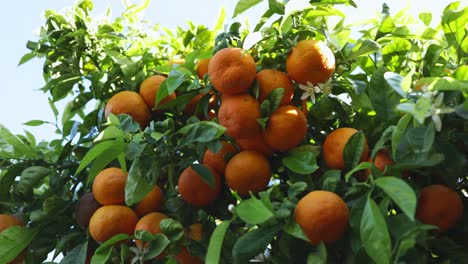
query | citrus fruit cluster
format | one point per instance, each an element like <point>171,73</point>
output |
<point>105,213</point>
<point>239,89</point>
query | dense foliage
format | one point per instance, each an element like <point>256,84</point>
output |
<point>402,81</point>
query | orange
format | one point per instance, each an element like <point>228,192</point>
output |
<point>381,160</point>
<point>85,208</point>
<point>202,68</point>
<point>323,216</point>
<point>217,160</point>
<point>268,80</point>
<point>256,143</point>
<point>195,232</point>
<point>184,257</point>
<point>151,223</point>
<point>7,221</point>
<point>111,220</point>
<point>194,190</point>
<point>310,61</point>
<point>248,171</point>
<point>152,202</point>
<point>149,89</point>
<point>239,114</point>
<point>440,206</point>
<point>130,103</point>
<point>286,128</point>
<point>231,70</point>
<point>334,145</point>
<point>109,186</point>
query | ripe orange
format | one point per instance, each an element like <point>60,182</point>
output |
<point>184,257</point>
<point>149,89</point>
<point>152,202</point>
<point>7,221</point>
<point>286,128</point>
<point>310,61</point>
<point>440,206</point>
<point>111,220</point>
<point>202,68</point>
<point>248,171</point>
<point>239,114</point>
<point>217,160</point>
<point>268,80</point>
<point>85,208</point>
<point>255,143</point>
<point>195,232</point>
<point>334,145</point>
<point>231,70</point>
<point>194,190</point>
<point>109,186</point>
<point>130,103</point>
<point>323,216</point>
<point>151,223</point>
<point>381,160</point>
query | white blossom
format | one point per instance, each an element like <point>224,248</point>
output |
<point>310,90</point>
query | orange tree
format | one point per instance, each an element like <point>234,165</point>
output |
<point>398,85</point>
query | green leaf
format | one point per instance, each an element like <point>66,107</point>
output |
<point>277,7</point>
<point>174,80</point>
<point>399,131</point>
<point>253,211</point>
<point>103,252</point>
<point>100,151</point>
<point>295,230</point>
<point>253,243</point>
<point>13,240</point>
<point>319,255</point>
<point>302,162</point>
<point>76,255</point>
<point>396,81</point>
<point>61,86</point>
<point>387,26</point>
<point>331,179</point>
<point>296,189</point>
<point>244,5</point>
<point>205,174</point>
<point>353,150</point>
<point>395,53</point>
<point>332,2</point>
<point>112,152</point>
<point>383,98</point>
<point>157,246</point>
<point>138,183</point>
<point>271,103</point>
<point>454,26</point>
<point>31,176</point>
<point>203,131</point>
<point>360,166</point>
<point>213,253</point>
<point>34,123</point>
<point>13,147</point>
<point>26,57</point>
<point>426,18</point>
<point>400,192</point>
<point>363,48</point>
<point>172,229</point>
<point>374,233</point>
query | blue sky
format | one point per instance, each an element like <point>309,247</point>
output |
<point>20,100</point>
